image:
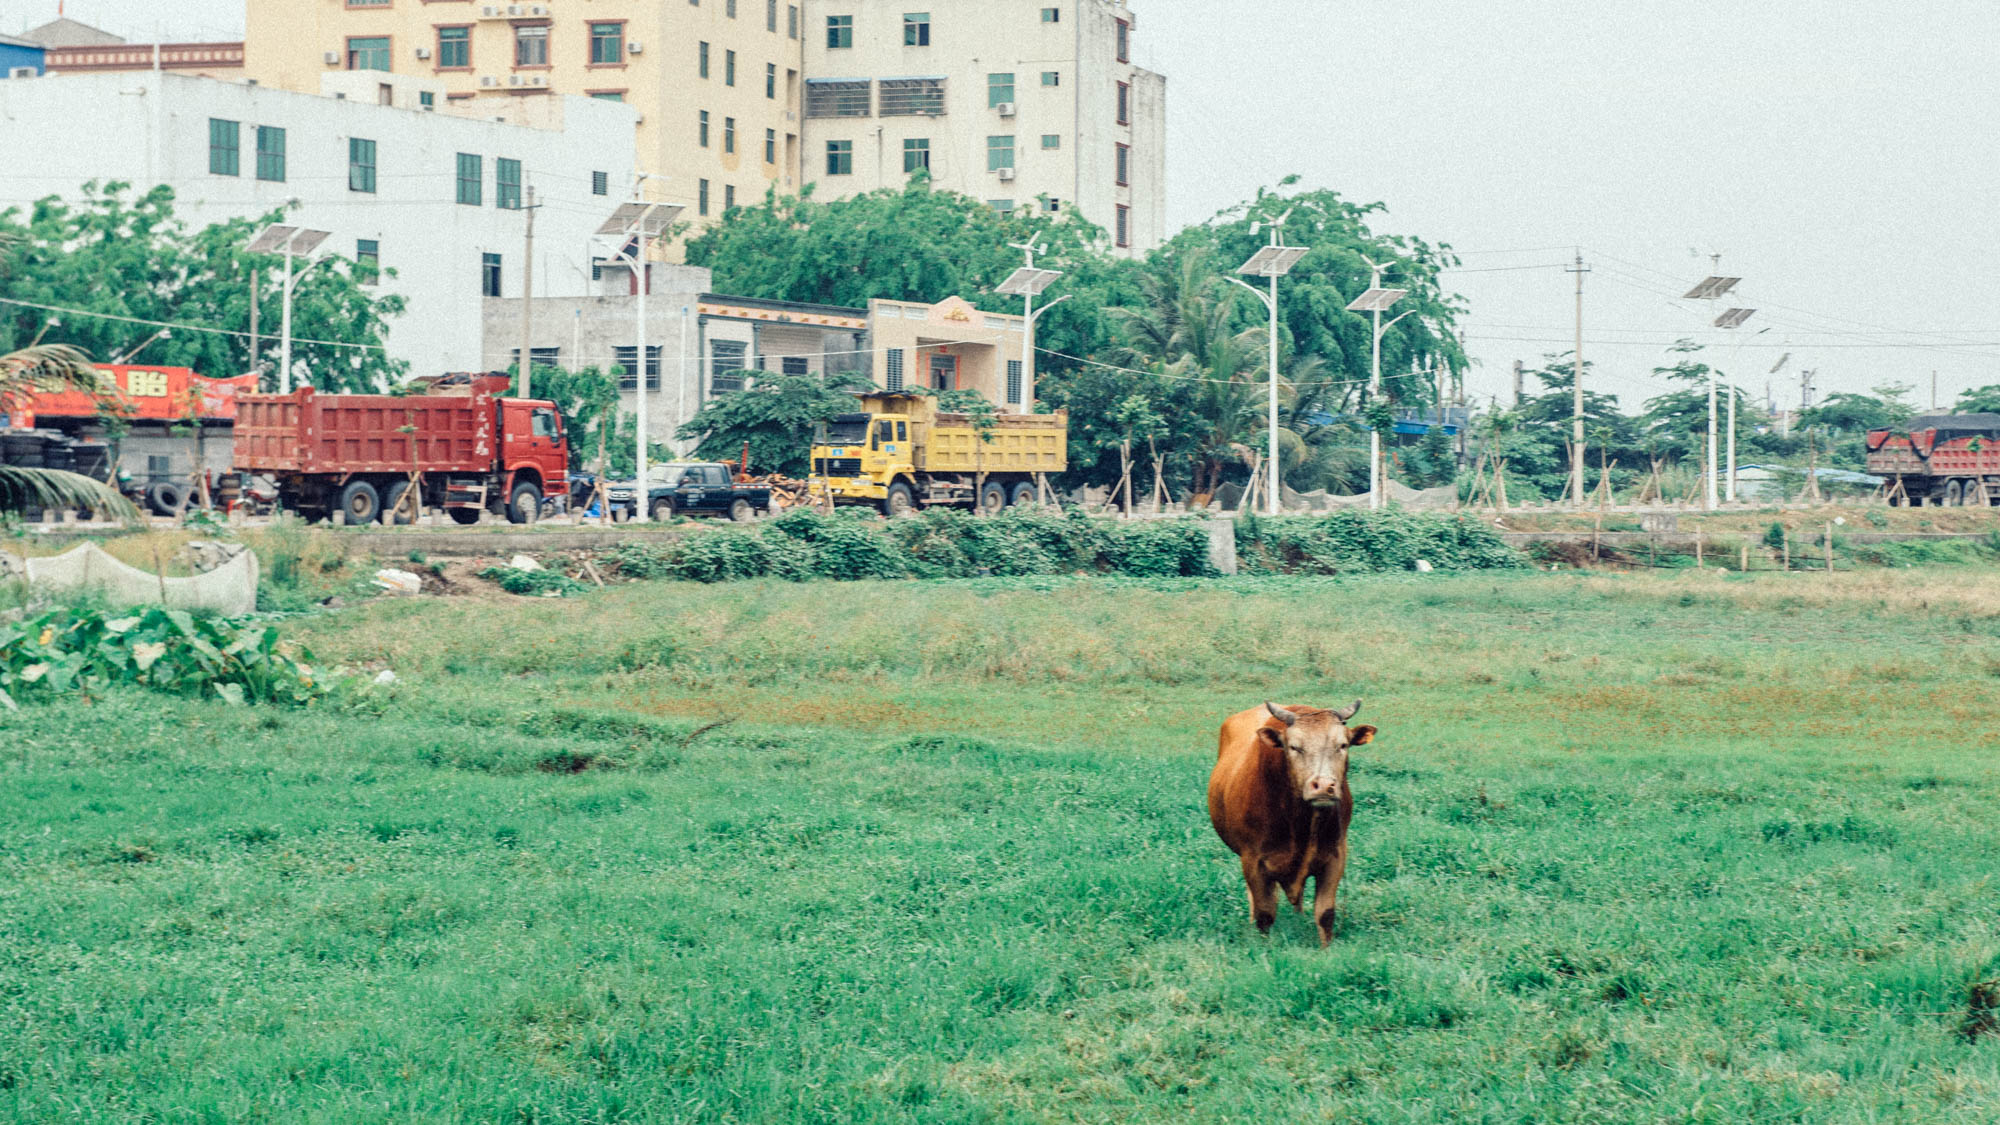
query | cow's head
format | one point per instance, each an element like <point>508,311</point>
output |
<point>1315,743</point>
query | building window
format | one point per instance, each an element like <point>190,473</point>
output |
<point>531,45</point>
<point>999,153</point>
<point>1051,204</point>
<point>893,375</point>
<point>839,158</point>
<point>795,365</point>
<point>271,154</point>
<point>999,89</point>
<point>1004,206</point>
<point>454,48</point>
<point>839,31</point>
<point>729,8</point>
<point>726,358</point>
<point>367,260</point>
<point>506,184</point>
<point>837,99</point>
<point>770,146</point>
<point>701,129</point>
<point>368,54</point>
<point>225,151</point>
<point>360,165</point>
<point>729,134</point>
<point>1014,381</point>
<point>1124,41</point>
<point>1051,15</point>
<point>1051,140</point>
<point>489,275</point>
<point>944,372</point>
<point>728,198</point>
<point>471,178</point>
<point>701,59</point>
<point>1124,164</point>
<point>792,21</point>
<point>1124,103</point>
<point>701,199</point>
<point>626,356</point>
<point>1052,78</point>
<point>1124,225</point>
<point>916,154</point>
<point>771,15</point>
<point>771,80</point>
<point>729,68</point>
<point>916,29</point>
<point>912,97</point>
<point>600,183</point>
<point>607,44</point>
<point>426,99</point>
<point>608,95</point>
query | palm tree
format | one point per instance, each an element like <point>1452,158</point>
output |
<point>43,368</point>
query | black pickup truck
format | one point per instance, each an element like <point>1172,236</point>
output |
<point>694,488</point>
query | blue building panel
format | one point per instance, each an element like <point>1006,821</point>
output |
<point>18,55</point>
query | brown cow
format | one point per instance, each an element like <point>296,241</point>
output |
<point>1279,799</point>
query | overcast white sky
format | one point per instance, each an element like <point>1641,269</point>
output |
<point>1839,154</point>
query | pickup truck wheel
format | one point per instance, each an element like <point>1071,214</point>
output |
<point>465,517</point>
<point>901,501</point>
<point>525,504</point>
<point>742,512</point>
<point>360,502</point>
<point>392,504</point>
<point>993,497</point>
<point>662,510</point>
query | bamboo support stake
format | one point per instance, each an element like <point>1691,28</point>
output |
<point>1829,547</point>
<point>1697,549</point>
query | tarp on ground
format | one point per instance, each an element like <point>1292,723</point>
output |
<point>229,589</point>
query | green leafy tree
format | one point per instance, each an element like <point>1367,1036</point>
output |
<point>775,416</point>
<point>113,260</point>
<point>1979,400</point>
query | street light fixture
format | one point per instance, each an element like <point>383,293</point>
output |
<point>1027,283</point>
<point>142,346</point>
<point>642,224</point>
<point>292,242</point>
<point>1271,262</point>
<point>1709,289</point>
<point>1376,300</point>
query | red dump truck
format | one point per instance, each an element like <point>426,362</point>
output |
<point>1940,460</point>
<point>465,446</point>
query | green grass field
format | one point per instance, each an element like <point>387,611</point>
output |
<point>1651,848</point>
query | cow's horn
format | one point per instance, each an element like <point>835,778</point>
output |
<point>1280,714</point>
<point>1343,716</point>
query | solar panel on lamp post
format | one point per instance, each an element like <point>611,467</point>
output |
<point>1376,300</point>
<point>1731,318</point>
<point>642,224</point>
<point>1273,262</point>
<point>1027,283</point>
<point>1708,289</point>
<point>278,238</point>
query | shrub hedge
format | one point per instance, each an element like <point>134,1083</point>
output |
<point>852,544</point>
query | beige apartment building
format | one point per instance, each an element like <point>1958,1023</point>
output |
<point>1023,103</point>
<point>717,83</point>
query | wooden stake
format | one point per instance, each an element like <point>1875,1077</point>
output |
<point>1697,549</point>
<point>1829,547</point>
<point>1744,564</point>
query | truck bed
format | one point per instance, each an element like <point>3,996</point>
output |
<point>310,432</point>
<point>1018,443</point>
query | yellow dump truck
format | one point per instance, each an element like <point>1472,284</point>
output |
<point>900,453</point>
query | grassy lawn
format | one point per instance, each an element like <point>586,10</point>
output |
<point>1661,847</point>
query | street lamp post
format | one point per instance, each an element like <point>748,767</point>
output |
<point>1028,283</point>
<point>642,224</point>
<point>1376,300</point>
<point>291,242</point>
<point>1272,262</point>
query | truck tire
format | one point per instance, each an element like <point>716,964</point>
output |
<point>524,505</point>
<point>993,497</point>
<point>360,502</point>
<point>1953,496</point>
<point>661,511</point>
<point>1024,493</point>
<point>464,517</point>
<point>741,511</point>
<point>165,498</point>
<point>901,501</point>
<point>393,511</point>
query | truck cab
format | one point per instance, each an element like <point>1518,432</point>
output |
<point>533,447</point>
<point>858,454</point>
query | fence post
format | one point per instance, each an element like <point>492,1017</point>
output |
<point>1829,547</point>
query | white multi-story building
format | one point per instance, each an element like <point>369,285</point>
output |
<point>1023,103</point>
<point>433,199</point>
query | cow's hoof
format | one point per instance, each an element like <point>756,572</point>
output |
<point>1264,922</point>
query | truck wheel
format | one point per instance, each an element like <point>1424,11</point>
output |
<point>901,501</point>
<point>742,512</point>
<point>1024,493</point>
<point>360,502</point>
<point>165,499</point>
<point>525,504</point>
<point>662,510</point>
<point>392,504</point>
<point>993,497</point>
<point>1953,496</point>
<point>464,517</point>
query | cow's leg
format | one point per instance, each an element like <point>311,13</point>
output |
<point>1263,897</point>
<point>1296,889</point>
<point>1328,885</point>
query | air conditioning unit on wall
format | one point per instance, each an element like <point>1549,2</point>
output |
<point>1006,174</point>
<point>489,80</point>
<point>1006,109</point>
<point>423,52</point>
<point>332,58</point>
<point>635,48</point>
<point>22,72</point>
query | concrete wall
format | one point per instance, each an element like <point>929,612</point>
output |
<point>151,128</point>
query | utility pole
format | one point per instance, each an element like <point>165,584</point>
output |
<point>1733,396</point>
<point>527,361</point>
<point>1517,384</point>
<point>253,317</point>
<point>1933,390</point>
<point>1576,416</point>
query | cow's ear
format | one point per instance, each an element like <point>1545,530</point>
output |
<point>1269,736</point>
<point>1361,735</point>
